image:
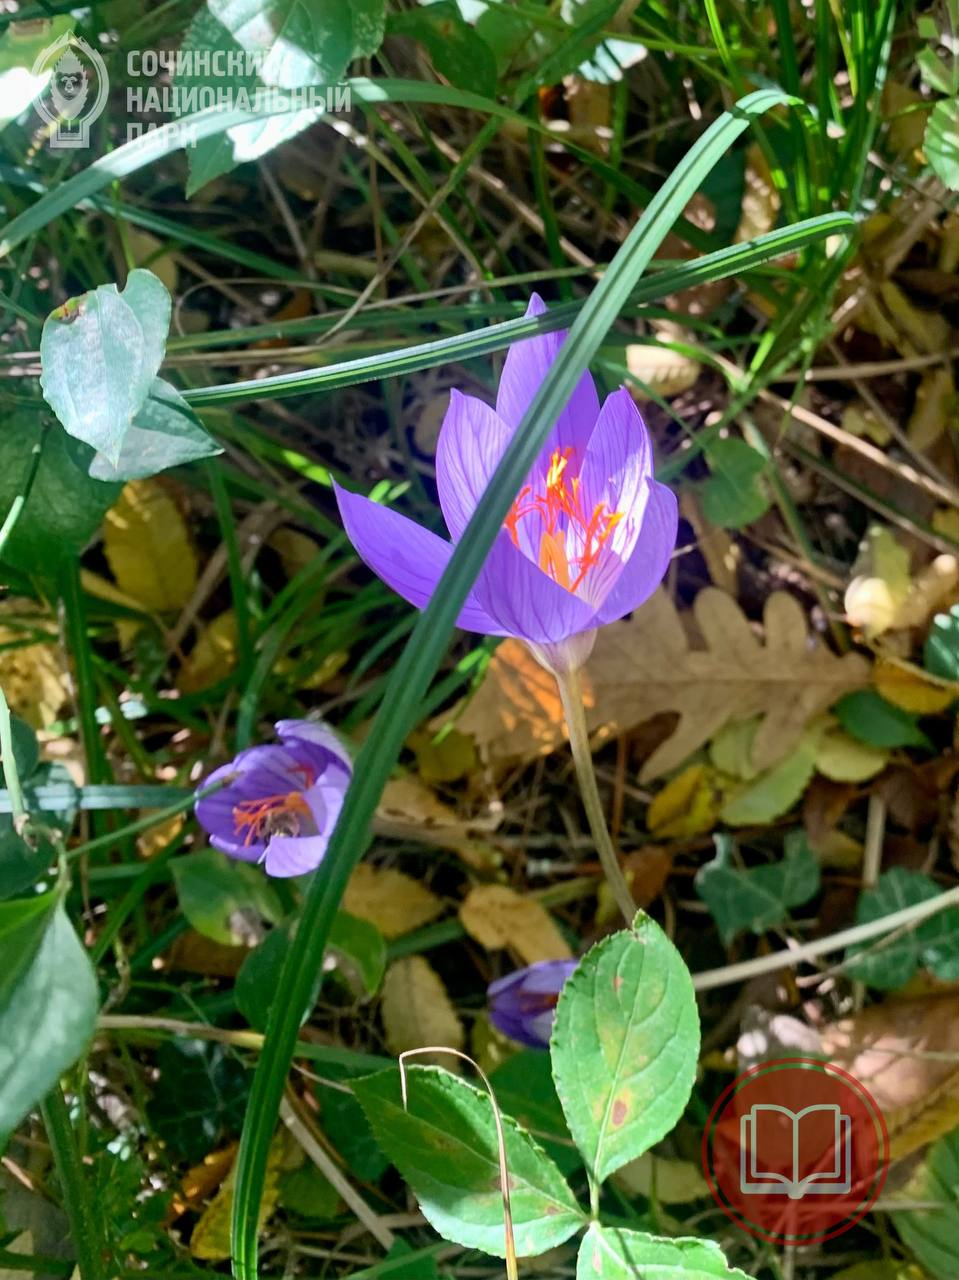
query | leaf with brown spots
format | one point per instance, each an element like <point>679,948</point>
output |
<point>607,1253</point>
<point>625,1046</point>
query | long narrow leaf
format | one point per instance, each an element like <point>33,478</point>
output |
<point>424,651</point>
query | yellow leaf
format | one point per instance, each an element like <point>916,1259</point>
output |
<point>94,585</point>
<point>900,324</point>
<point>296,550</point>
<point>906,124</point>
<point>148,547</point>
<point>663,1179</point>
<point>497,917</point>
<point>945,520</point>
<point>881,584</point>
<point>394,902</point>
<point>658,369</point>
<point>31,676</point>
<point>761,201</point>
<point>417,1011</point>
<point>934,409</point>
<point>648,665</point>
<point>859,420</point>
<point>211,1235</point>
<point>688,805</point>
<point>444,757</point>
<point>213,656</point>
<point>932,587</point>
<point>911,688</point>
<point>147,251</point>
<point>843,759</point>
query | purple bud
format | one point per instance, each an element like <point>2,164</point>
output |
<point>523,1004</point>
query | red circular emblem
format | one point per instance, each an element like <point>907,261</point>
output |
<point>795,1151</point>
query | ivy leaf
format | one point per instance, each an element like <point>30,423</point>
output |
<point>608,1253</point>
<point>444,1145</point>
<point>733,495</point>
<point>99,354</point>
<point>200,1096</point>
<point>165,433</point>
<point>624,1046</point>
<point>867,715</point>
<point>758,897</point>
<point>933,944</point>
<point>48,1002</point>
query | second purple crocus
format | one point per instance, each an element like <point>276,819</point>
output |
<point>523,1004</point>
<point>587,540</point>
<point>279,802</point>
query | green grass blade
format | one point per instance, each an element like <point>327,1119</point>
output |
<point>424,652</point>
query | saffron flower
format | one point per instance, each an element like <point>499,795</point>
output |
<point>278,803</point>
<point>587,540</point>
<point>523,1004</point>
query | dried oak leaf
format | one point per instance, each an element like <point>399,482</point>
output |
<point>648,665</point>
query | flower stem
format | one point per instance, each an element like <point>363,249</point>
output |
<point>571,696</point>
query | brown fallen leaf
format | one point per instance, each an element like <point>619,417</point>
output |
<point>394,902</point>
<point>417,1011</point>
<point>497,916</point>
<point>647,665</point>
<point>906,1053</point>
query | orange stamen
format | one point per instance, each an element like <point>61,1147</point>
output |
<point>561,497</point>
<point>255,818</point>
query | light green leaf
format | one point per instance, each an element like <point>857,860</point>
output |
<point>46,1018</point>
<point>942,142</point>
<point>165,433</point>
<point>359,952</point>
<point>608,1253</point>
<point>65,506</point>
<point>445,1147</point>
<point>624,1046</point>
<point>297,42</point>
<point>758,897</point>
<point>932,1234</point>
<point>733,495</point>
<point>99,355</point>
<point>773,793</point>
<point>218,896</point>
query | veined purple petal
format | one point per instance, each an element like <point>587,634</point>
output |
<point>524,601</point>
<point>406,556</point>
<point>647,565</point>
<point>320,740</point>
<point>254,773</point>
<point>525,368</point>
<point>472,441</point>
<point>616,466</point>
<point>295,855</point>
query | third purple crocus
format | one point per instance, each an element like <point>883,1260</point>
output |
<point>278,803</point>
<point>523,1004</point>
<point>587,540</point>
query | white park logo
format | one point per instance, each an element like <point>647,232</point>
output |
<point>76,91</point>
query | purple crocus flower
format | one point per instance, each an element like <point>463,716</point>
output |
<point>280,802</point>
<point>587,540</point>
<point>523,1004</point>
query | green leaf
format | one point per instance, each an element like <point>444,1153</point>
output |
<point>345,1124</point>
<point>65,506</point>
<point>932,1233</point>
<point>524,1088</point>
<point>20,46</point>
<point>99,355</point>
<point>359,951</point>
<point>255,986</point>
<point>46,1018</point>
<point>26,750</point>
<point>217,896</point>
<point>22,926</point>
<point>444,1145</point>
<point>457,52</point>
<point>933,944</point>
<point>624,1046</point>
<point>941,142</point>
<point>733,495</point>
<point>608,1253</point>
<point>773,793</point>
<point>21,866</point>
<point>869,717</point>
<point>296,42</point>
<point>199,1097</point>
<point>941,653</point>
<point>757,898</point>
<point>165,433</point>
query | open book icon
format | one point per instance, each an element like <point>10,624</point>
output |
<point>795,1153</point>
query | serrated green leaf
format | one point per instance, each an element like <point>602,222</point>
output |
<point>99,354</point>
<point>445,1147</point>
<point>47,1017</point>
<point>889,963</point>
<point>608,1253</point>
<point>733,495</point>
<point>757,898</point>
<point>165,433</point>
<point>866,715</point>
<point>64,507</point>
<point>624,1046</point>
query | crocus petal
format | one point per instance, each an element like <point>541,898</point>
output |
<point>524,601</point>
<point>294,855</point>
<point>245,852</point>
<point>647,565</point>
<point>616,467</point>
<point>315,734</point>
<point>406,556</point>
<point>256,772</point>
<point>525,368</point>
<point>472,441</point>
<point>520,1004</point>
